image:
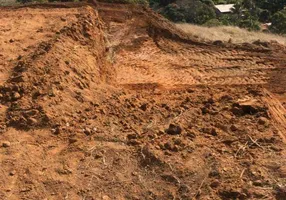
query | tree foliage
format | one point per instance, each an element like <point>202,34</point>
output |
<point>279,22</point>
<point>272,6</point>
<point>193,11</point>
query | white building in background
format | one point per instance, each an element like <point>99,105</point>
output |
<point>224,8</point>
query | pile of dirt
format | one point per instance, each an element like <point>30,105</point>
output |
<point>113,102</point>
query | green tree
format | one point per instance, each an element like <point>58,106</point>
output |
<point>197,12</point>
<point>174,13</point>
<point>191,11</point>
<point>271,5</point>
<point>249,22</point>
<point>278,22</point>
<point>237,9</point>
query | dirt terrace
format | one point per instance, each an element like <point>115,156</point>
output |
<point>113,102</point>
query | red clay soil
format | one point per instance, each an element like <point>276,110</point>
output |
<point>113,102</point>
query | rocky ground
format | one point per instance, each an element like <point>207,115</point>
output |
<point>113,102</point>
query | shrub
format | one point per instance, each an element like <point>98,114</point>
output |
<point>213,23</point>
<point>250,24</point>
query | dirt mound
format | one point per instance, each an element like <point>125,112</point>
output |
<point>56,66</point>
<point>113,102</point>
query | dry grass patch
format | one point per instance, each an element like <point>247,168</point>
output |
<point>225,33</point>
<point>7,2</point>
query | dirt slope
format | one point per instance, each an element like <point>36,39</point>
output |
<point>113,102</point>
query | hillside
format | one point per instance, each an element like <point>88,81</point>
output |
<point>229,34</point>
<point>113,101</point>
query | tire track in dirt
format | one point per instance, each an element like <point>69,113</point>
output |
<point>188,67</point>
<point>277,112</point>
<point>168,63</point>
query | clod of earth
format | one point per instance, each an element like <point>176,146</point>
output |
<point>6,144</point>
<point>173,129</point>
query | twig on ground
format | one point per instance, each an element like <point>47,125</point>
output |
<point>241,174</point>
<point>255,142</point>
<point>243,147</point>
<point>199,189</point>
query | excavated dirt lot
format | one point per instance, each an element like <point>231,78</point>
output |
<point>111,101</point>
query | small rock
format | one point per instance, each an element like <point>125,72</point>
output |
<point>233,127</point>
<point>63,19</point>
<point>12,173</point>
<point>211,131</point>
<point>170,178</point>
<point>263,121</point>
<point>171,146</point>
<point>56,131</point>
<point>104,197</point>
<point>11,40</point>
<point>87,131</point>
<point>98,155</point>
<point>144,106</point>
<point>134,173</point>
<point>218,42</point>
<point>205,110</point>
<point>160,132</point>
<point>231,193</point>
<point>228,140</point>
<point>16,96</point>
<point>178,141</point>
<point>72,140</point>
<point>133,142</point>
<point>215,183</point>
<point>6,144</point>
<point>222,126</point>
<point>211,101</point>
<point>191,135</point>
<point>174,129</point>
<point>168,146</point>
<point>258,183</point>
<point>214,173</point>
<point>131,136</point>
<point>246,108</point>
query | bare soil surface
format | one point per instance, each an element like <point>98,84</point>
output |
<point>111,101</point>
